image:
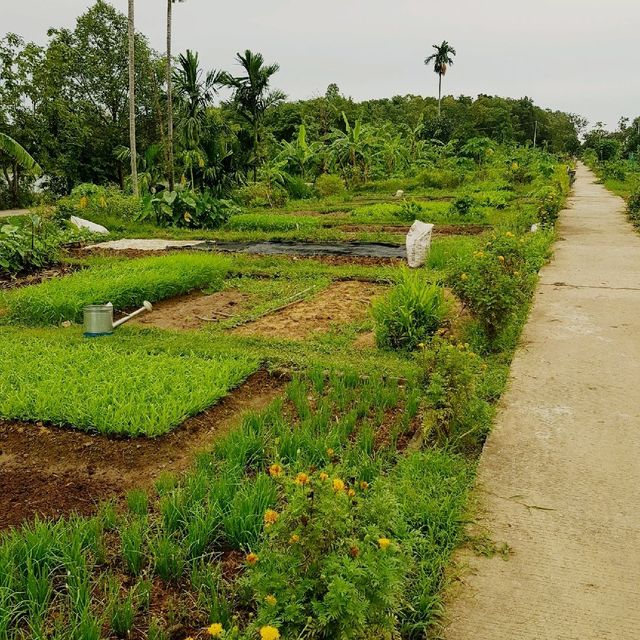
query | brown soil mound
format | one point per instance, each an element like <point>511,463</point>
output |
<point>51,471</point>
<point>339,304</point>
<point>193,310</point>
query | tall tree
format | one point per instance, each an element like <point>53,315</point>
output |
<point>170,93</point>
<point>132,97</point>
<point>442,59</point>
<point>252,97</point>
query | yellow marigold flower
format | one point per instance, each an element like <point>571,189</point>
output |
<point>215,630</point>
<point>271,600</point>
<point>323,476</point>
<point>338,485</point>
<point>509,234</point>
<point>275,470</point>
<point>252,558</point>
<point>330,452</point>
<point>302,479</point>
<point>269,633</point>
<point>351,493</point>
<point>420,345</point>
<point>514,165</point>
<point>270,517</point>
<point>501,258</point>
<point>103,202</point>
<point>464,277</point>
<point>384,543</point>
<point>294,538</point>
<point>364,485</point>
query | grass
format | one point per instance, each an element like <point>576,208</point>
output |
<point>102,388</point>
<point>123,283</point>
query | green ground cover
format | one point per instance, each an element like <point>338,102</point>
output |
<point>111,390</point>
<point>124,284</point>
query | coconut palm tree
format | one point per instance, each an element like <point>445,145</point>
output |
<point>170,94</point>
<point>442,59</point>
<point>252,96</point>
<point>132,99</point>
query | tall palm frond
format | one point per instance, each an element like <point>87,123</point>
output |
<point>19,154</point>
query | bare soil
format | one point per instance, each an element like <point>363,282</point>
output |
<point>51,471</point>
<point>194,310</point>
<point>36,277</point>
<point>339,304</point>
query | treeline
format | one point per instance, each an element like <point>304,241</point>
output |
<point>621,144</point>
<point>67,104</point>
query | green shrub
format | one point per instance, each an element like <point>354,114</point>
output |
<point>298,189</point>
<point>410,313</point>
<point>261,194</point>
<point>495,281</point>
<point>550,203</point>
<point>95,203</point>
<point>633,205</point>
<point>329,185</point>
<point>463,206</point>
<point>455,416</point>
<point>435,178</point>
<point>190,209</point>
<point>30,244</point>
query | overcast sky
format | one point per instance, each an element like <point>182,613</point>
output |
<point>580,56</point>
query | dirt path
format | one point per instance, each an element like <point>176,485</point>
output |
<point>559,476</point>
<point>14,212</point>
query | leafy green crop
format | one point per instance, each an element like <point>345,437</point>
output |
<point>94,386</point>
<point>126,284</point>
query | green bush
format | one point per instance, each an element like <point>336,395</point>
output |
<point>261,194</point>
<point>495,281</point>
<point>298,189</point>
<point>410,313</point>
<point>329,185</point>
<point>633,205</point>
<point>435,178</point>
<point>550,203</point>
<point>97,203</point>
<point>29,245</point>
<point>463,206</point>
<point>190,209</point>
<point>455,415</point>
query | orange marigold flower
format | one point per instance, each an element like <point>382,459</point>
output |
<point>351,493</point>
<point>271,600</point>
<point>275,470</point>
<point>364,485</point>
<point>384,543</point>
<point>338,485</point>
<point>215,630</point>
<point>302,479</point>
<point>269,633</point>
<point>294,538</point>
<point>271,517</point>
<point>252,558</point>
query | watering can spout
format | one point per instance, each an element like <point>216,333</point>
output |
<point>146,306</point>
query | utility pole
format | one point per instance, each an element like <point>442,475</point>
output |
<point>535,134</point>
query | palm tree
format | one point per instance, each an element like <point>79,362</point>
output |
<point>132,99</point>
<point>19,157</point>
<point>441,61</point>
<point>194,93</point>
<point>252,96</point>
<point>170,94</point>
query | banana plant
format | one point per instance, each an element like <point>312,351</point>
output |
<point>299,154</point>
